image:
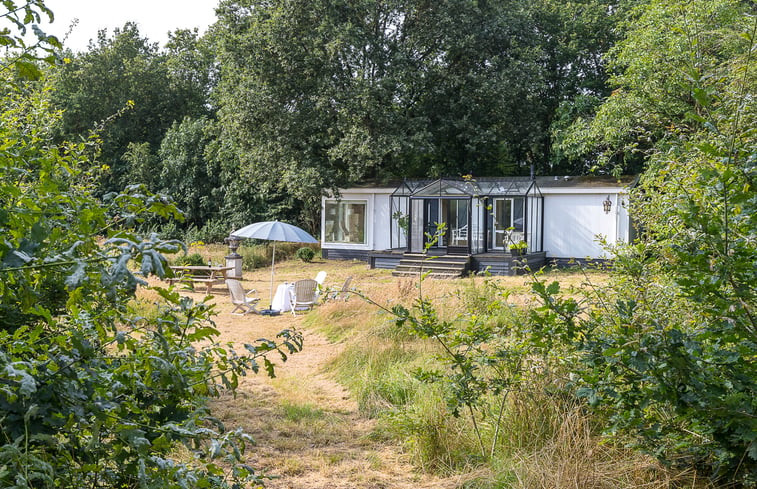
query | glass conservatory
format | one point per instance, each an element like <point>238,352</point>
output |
<point>466,216</point>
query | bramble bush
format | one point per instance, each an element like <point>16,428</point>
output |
<point>92,395</point>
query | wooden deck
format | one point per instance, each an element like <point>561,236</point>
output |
<point>496,263</point>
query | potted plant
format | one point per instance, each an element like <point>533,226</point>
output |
<point>519,248</point>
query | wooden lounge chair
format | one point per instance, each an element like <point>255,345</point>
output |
<point>240,299</point>
<point>343,293</point>
<point>304,295</point>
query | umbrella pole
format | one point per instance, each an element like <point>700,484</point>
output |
<point>273,263</point>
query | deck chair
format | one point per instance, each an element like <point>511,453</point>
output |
<point>343,293</point>
<point>304,295</point>
<point>240,299</point>
<point>320,278</point>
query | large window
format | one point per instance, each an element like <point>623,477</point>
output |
<point>345,221</point>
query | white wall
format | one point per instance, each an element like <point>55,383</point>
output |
<point>572,220</point>
<point>378,209</point>
<point>572,223</point>
<point>381,222</point>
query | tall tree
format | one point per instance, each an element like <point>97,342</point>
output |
<point>670,350</point>
<point>651,73</point>
<point>323,93</point>
<point>126,71</point>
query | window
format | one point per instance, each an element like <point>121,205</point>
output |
<point>345,221</point>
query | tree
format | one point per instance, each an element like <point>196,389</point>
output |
<point>651,71</point>
<point>321,94</point>
<point>23,53</point>
<point>187,175</point>
<point>126,71</point>
<point>667,351</point>
<point>92,392</point>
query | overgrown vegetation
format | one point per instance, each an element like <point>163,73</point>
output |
<point>534,430</point>
<point>94,393</point>
<point>661,357</point>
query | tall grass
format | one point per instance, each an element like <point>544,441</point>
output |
<point>378,370</point>
<point>546,437</point>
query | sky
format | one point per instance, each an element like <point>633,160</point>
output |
<point>154,17</point>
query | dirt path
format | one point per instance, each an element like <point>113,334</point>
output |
<point>308,430</point>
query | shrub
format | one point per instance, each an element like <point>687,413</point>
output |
<point>193,259</point>
<point>95,394</point>
<point>253,257</point>
<point>305,254</point>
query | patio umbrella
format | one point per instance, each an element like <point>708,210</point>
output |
<point>274,231</point>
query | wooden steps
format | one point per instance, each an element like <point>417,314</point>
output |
<point>446,266</point>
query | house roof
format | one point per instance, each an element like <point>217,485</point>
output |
<point>586,181</point>
<point>517,185</point>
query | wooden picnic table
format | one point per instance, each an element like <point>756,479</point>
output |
<point>192,274</point>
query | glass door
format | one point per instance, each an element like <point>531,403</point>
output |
<point>432,220</point>
<point>507,222</point>
<point>458,229</point>
<point>417,227</point>
<point>502,220</point>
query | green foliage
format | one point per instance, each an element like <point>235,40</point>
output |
<point>484,354</point>
<point>253,257</point>
<point>667,352</point>
<point>24,52</point>
<point>93,394</point>
<point>124,70</point>
<point>194,259</point>
<point>301,412</point>
<point>305,254</point>
<point>318,94</point>
<point>437,442</point>
<point>519,246</point>
<point>377,377</point>
<point>187,175</point>
<point>667,45</point>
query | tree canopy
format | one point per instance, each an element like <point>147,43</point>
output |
<point>96,391</point>
<point>326,93</point>
<point>127,75</point>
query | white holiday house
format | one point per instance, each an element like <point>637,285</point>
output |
<point>556,219</point>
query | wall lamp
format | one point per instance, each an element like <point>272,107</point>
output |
<point>607,205</point>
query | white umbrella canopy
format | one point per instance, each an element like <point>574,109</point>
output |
<point>274,231</point>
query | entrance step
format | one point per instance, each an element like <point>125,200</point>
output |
<point>446,266</point>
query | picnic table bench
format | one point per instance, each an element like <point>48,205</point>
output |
<point>193,274</point>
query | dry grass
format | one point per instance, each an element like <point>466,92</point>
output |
<point>314,432</point>
<point>575,458</point>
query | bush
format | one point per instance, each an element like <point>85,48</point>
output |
<point>253,257</point>
<point>193,259</point>
<point>214,231</point>
<point>305,254</point>
<point>94,392</point>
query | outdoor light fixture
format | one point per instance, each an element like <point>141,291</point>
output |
<point>607,205</point>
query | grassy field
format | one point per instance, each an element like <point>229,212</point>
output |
<point>350,410</point>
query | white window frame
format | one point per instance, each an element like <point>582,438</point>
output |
<point>366,222</point>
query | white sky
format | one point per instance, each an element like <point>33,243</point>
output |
<point>154,17</point>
